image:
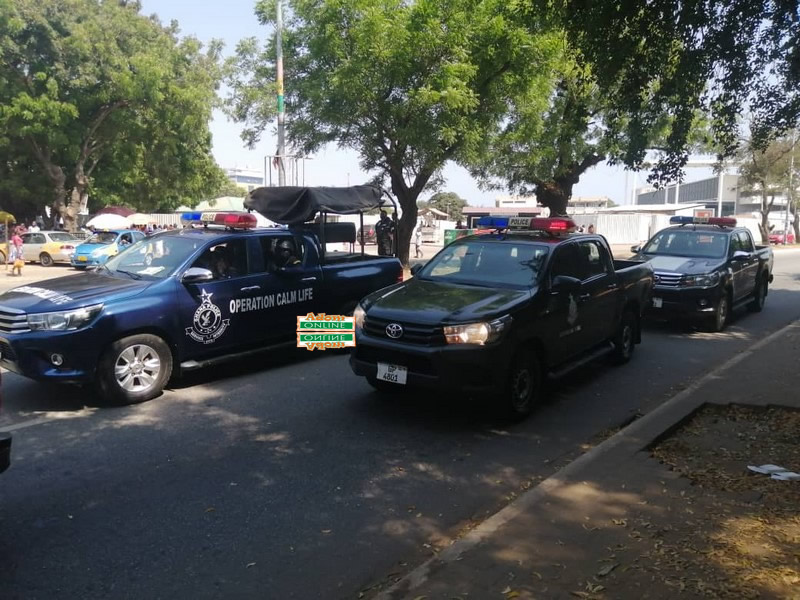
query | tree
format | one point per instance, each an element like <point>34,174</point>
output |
<point>766,172</point>
<point>408,85</point>
<point>678,57</point>
<point>101,97</point>
<point>448,202</point>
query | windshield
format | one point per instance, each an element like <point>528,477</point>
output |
<point>62,237</point>
<point>154,257</point>
<point>487,263</point>
<point>105,237</point>
<point>688,243</point>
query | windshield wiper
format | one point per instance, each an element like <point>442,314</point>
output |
<point>132,275</point>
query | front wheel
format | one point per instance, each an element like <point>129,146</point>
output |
<point>46,259</point>
<point>134,369</point>
<point>625,339</point>
<point>759,296</point>
<point>720,317</point>
<point>523,386</point>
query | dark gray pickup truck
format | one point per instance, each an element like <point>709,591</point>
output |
<point>494,313</point>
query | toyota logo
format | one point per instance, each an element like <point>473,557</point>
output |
<point>393,330</point>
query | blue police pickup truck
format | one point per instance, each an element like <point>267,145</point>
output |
<point>705,268</point>
<point>494,313</point>
<point>183,299</point>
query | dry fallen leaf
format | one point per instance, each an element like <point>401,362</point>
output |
<point>606,569</point>
<point>250,565</point>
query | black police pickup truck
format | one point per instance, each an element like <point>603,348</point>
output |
<point>496,312</point>
<point>704,268</point>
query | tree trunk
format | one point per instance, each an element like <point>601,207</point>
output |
<point>70,212</point>
<point>763,226</point>
<point>407,199</point>
<point>795,223</point>
<point>554,195</point>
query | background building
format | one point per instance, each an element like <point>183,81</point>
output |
<point>247,179</point>
<point>714,193</point>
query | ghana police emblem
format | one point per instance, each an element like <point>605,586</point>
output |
<point>572,314</point>
<point>208,323</point>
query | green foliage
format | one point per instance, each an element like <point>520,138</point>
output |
<point>448,202</point>
<point>104,99</point>
<point>408,85</point>
<point>675,57</point>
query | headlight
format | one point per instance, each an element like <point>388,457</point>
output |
<point>63,321</point>
<point>702,281</point>
<point>358,317</point>
<point>476,333</point>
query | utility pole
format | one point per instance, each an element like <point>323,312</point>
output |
<point>281,113</point>
<point>790,195</point>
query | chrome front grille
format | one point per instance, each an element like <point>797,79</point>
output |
<point>423,335</point>
<point>667,280</point>
<point>13,321</point>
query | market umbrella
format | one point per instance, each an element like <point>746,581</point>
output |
<point>109,221</point>
<point>140,219</point>
<point>116,210</point>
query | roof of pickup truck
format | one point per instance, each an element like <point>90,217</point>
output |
<point>706,228</point>
<point>539,237</point>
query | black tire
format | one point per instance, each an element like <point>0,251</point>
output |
<point>384,386</point>
<point>721,314</point>
<point>759,296</point>
<point>78,268</point>
<point>523,387</point>
<point>3,256</point>
<point>625,339</point>
<point>149,366</point>
<point>46,259</point>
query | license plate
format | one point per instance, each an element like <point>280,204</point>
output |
<point>392,373</point>
<point>83,258</point>
<point>658,302</point>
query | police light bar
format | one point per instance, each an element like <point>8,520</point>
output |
<point>234,220</point>
<point>720,221</point>
<point>552,225</point>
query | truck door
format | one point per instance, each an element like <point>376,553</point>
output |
<point>292,281</point>
<point>599,295</point>
<point>746,269</point>
<point>210,322</point>
<point>562,320</point>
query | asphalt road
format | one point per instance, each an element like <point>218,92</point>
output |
<point>287,477</point>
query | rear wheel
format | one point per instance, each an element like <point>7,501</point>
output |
<point>46,259</point>
<point>759,296</point>
<point>134,369</point>
<point>720,318</point>
<point>625,338</point>
<point>523,386</point>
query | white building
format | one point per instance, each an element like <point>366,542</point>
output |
<point>246,178</point>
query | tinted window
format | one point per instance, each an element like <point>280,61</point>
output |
<point>688,243</point>
<point>746,241</point>
<point>487,263</point>
<point>592,260</point>
<point>105,237</point>
<point>62,237</point>
<point>225,260</point>
<point>565,262</point>
<point>736,244</point>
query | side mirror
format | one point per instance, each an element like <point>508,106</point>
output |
<point>565,283</point>
<point>416,269</point>
<point>636,249</point>
<point>740,255</point>
<point>196,275</point>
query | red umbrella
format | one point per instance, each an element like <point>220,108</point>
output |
<point>116,210</point>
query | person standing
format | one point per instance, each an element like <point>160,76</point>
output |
<point>418,241</point>
<point>384,229</point>
<point>17,256</point>
<point>34,228</point>
<point>591,229</point>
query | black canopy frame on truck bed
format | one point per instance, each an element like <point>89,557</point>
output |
<point>298,207</point>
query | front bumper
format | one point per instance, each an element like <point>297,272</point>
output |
<point>91,261</point>
<point>28,354</point>
<point>466,368</point>
<point>5,451</point>
<point>687,302</point>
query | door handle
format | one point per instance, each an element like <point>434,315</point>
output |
<point>584,297</point>
<point>312,278</point>
<point>250,288</point>
<point>611,286</point>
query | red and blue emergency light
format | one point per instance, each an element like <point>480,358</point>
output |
<point>551,225</point>
<point>234,220</point>
<point>720,221</point>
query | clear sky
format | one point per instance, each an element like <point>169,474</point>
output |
<point>232,20</point>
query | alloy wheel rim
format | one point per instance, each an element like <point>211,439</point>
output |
<point>627,340</point>
<point>521,388</point>
<point>722,314</point>
<point>137,368</point>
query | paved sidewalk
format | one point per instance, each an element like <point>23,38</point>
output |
<point>585,531</point>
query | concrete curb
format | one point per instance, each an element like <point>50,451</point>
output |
<point>635,437</point>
